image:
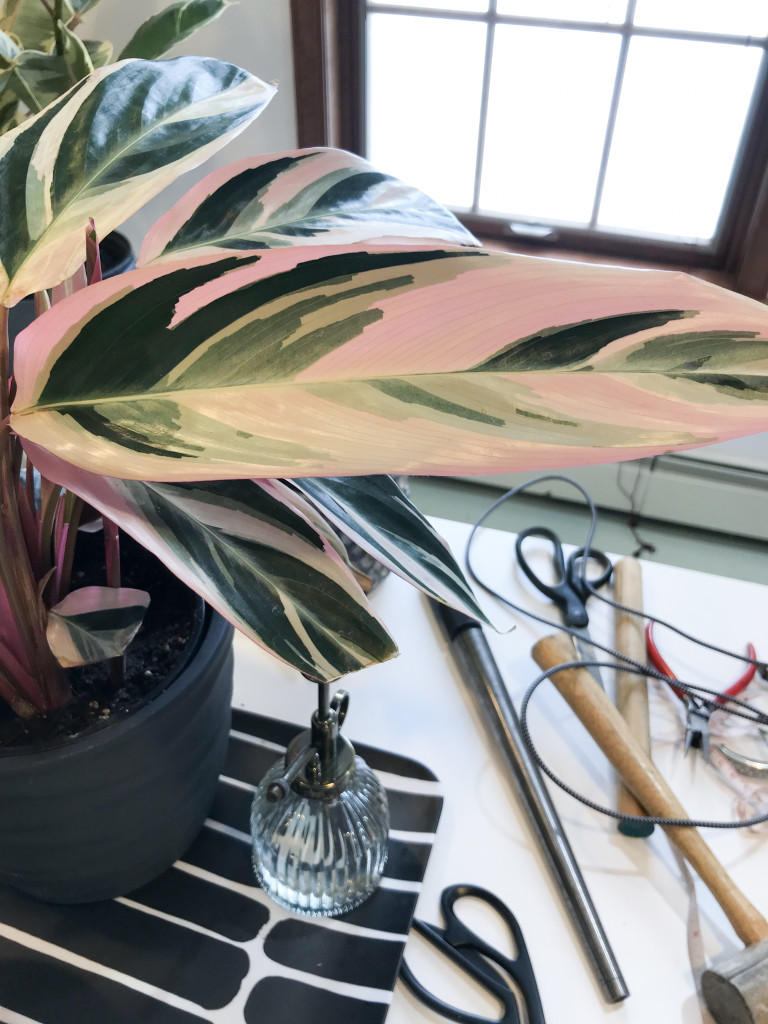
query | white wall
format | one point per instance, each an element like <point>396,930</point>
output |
<point>256,35</point>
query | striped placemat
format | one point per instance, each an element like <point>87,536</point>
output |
<point>202,944</point>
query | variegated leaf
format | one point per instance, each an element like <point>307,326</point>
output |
<point>375,513</point>
<point>253,557</point>
<point>107,146</point>
<point>32,21</point>
<point>8,49</point>
<point>160,33</point>
<point>40,78</point>
<point>302,197</point>
<point>95,623</point>
<point>99,50</point>
<point>341,361</point>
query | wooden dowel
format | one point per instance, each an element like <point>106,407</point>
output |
<point>610,732</point>
<point>631,688</point>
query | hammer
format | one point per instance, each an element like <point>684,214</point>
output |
<point>737,992</point>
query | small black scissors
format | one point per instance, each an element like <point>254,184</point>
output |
<point>569,591</point>
<point>476,958</point>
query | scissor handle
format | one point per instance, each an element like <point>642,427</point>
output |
<point>561,592</point>
<point>463,939</point>
<point>584,585</point>
<point>482,976</point>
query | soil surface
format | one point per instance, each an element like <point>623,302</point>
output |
<point>163,644</point>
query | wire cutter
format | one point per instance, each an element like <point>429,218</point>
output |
<point>697,709</point>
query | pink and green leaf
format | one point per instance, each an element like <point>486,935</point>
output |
<point>95,623</point>
<point>300,197</point>
<point>102,150</point>
<point>341,361</point>
<point>374,512</point>
<point>254,558</point>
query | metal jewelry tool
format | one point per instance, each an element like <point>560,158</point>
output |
<point>698,709</point>
<point>477,958</point>
<point>481,675</point>
<point>569,592</point>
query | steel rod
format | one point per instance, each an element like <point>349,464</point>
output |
<point>481,675</point>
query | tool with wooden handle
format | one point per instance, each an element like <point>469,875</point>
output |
<point>631,688</point>
<point>737,992</point>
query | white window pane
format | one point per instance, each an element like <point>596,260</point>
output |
<point>611,11</point>
<point>466,6</point>
<point>731,17</point>
<point>680,118</point>
<point>424,86</point>
<point>550,97</point>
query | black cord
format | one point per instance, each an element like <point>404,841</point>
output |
<point>715,701</point>
<point>619,815</point>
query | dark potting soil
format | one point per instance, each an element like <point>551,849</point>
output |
<point>164,642</point>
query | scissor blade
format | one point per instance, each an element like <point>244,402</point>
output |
<point>586,652</point>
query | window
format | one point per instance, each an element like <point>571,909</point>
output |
<point>627,128</point>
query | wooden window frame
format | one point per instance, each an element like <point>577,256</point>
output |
<point>329,72</point>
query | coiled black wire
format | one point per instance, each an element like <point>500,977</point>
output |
<point>731,705</point>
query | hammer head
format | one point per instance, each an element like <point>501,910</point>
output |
<point>737,991</point>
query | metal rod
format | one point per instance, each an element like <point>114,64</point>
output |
<point>323,701</point>
<point>481,675</point>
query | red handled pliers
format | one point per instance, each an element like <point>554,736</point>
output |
<point>697,709</point>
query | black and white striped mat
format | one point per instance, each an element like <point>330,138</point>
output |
<point>202,944</point>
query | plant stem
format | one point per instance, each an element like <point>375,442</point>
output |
<point>16,573</point>
<point>59,19</point>
<point>112,558</point>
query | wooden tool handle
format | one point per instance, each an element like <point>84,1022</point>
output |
<point>610,732</point>
<point>631,688</point>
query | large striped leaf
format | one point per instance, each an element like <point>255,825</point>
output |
<point>375,513</point>
<point>253,557</point>
<point>107,146</point>
<point>340,361</point>
<point>302,197</point>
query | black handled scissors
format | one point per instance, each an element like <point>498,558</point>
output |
<point>569,592</point>
<point>476,958</point>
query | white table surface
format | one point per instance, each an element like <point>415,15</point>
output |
<point>415,705</point>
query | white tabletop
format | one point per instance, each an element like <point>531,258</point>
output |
<point>416,705</point>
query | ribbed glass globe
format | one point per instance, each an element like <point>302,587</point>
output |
<point>321,855</point>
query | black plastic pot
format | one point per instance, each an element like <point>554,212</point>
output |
<point>105,813</point>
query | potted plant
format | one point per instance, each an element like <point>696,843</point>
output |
<point>288,321</point>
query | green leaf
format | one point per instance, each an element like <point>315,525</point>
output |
<point>8,48</point>
<point>111,143</point>
<point>163,31</point>
<point>10,115</point>
<point>37,78</point>
<point>375,513</point>
<point>76,55</point>
<point>40,78</point>
<point>100,51</point>
<point>95,623</point>
<point>32,23</point>
<point>82,7</point>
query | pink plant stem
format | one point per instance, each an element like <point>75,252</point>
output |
<point>15,567</point>
<point>112,552</point>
